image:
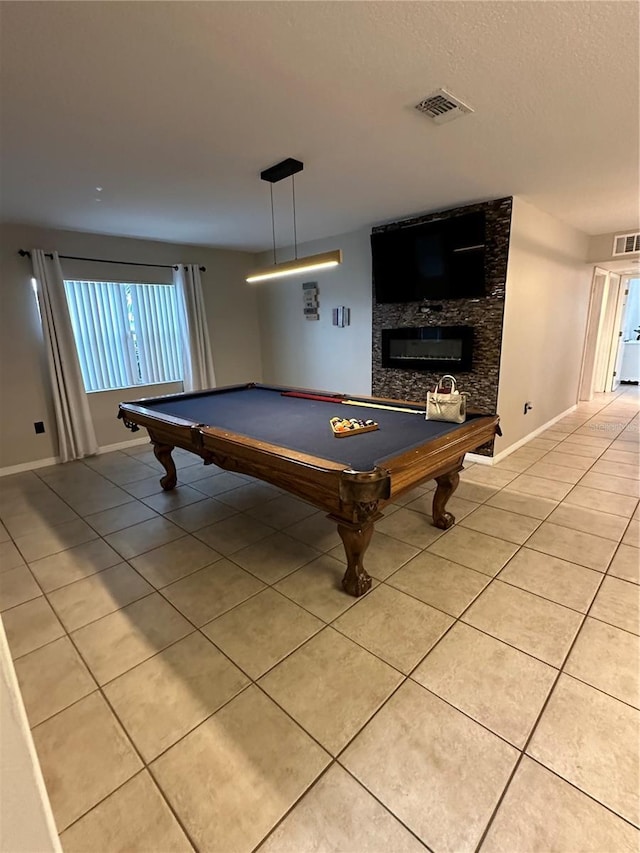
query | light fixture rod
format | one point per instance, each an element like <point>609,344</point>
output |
<point>295,232</point>
<point>287,169</point>
<point>273,225</point>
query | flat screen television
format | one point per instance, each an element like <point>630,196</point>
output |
<point>442,259</point>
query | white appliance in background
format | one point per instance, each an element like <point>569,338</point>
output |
<point>630,366</point>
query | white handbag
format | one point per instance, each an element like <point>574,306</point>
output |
<point>450,406</point>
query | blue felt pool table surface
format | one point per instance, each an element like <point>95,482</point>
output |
<point>264,414</point>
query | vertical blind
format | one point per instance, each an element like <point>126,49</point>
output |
<point>155,318</point>
<point>126,334</point>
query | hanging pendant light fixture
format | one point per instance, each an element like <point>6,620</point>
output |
<point>288,169</point>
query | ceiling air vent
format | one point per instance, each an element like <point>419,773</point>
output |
<point>442,106</point>
<point>625,244</point>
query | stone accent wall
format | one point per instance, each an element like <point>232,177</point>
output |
<point>485,314</point>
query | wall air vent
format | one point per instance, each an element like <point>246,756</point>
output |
<point>442,106</point>
<point>625,244</point>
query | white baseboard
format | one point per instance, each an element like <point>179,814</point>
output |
<point>28,466</point>
<point>121,445</point>
<point>35,829</point>
<point>493,460</point>
<point>55,460</point>
<point>513,447</point>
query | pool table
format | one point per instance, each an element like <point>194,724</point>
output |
<point>270,433</point>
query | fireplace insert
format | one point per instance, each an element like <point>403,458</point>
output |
<point>428,348</point>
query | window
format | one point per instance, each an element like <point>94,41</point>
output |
<point>126,334</point>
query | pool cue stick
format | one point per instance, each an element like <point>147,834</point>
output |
<point>381,406</point>
<point>336,398</point>
<point>322,398</point>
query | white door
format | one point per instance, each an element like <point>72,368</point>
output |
<point>602,378</point>
<point>617,345</point>
<point>594,323</point>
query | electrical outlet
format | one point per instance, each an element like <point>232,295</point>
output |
<point>527,407</point>
<point>39,427</point>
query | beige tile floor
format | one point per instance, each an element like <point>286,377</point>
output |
<point>195,677</point>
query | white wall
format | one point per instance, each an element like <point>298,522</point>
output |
<point>103,406</point>
<point>547,296</point>
<point>547,299</point>
<point>26,820</point>
<point>316,354</point>
<point>232,313</point>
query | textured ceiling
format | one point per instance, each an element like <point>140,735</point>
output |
<point>174,108</point>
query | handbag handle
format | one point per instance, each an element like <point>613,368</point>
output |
<point>452,383</point>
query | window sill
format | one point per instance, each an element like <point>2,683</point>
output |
<point>134,387</point>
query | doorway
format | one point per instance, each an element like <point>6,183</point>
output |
<point>603,350</point>
<point>627,366</point>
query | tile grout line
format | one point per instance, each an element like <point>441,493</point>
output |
<point>561,671</point>
<point>143,770</point>
<point>145,764</point>
<point>251,682</point>
<point>271,585</point>
<point>534,726</point>
<point>223,556</point>
<point>336,762</point>
<point>193,533</point>
<point>99,689</point>
<point>580,790</point>
<point>326,624</point>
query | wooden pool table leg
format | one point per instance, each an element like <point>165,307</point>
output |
<point>162,452</point>
<point>356,539</point>
<point>447,484</point>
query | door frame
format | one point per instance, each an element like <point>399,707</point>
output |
<point>595,314</point>
<point>603,375</point>
<point>617,340</point>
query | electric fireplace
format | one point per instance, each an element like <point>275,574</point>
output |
<point>428,348</point>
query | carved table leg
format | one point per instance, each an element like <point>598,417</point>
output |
<point>356,581</point>
<point>447,484</point>
<point>162,453</point>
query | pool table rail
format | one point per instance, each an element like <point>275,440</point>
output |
<point>423,463</point>
<point>339,490</point>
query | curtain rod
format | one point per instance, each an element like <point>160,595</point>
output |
<point>25,254</point>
